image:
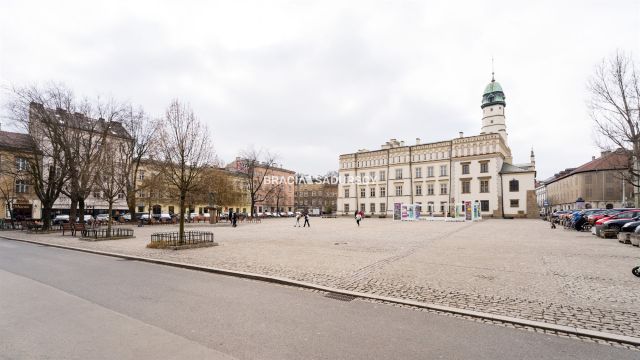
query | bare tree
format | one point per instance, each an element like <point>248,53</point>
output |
<point>258,165</point>
<point>30,109</point>
<point>143,132</point>
<point>186,151</point>
<point>84,137</point>
<point>615,110</point>
<point>112,176</point>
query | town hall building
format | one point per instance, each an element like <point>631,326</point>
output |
<point>439,175</point>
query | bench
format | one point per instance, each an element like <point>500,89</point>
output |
<point>67,227</point>
<point>78,227</point>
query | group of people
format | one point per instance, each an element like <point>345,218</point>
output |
<point>359,215</point>
<point>306,220</point>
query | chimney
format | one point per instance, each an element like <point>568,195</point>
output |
<point>401,143</point>
<point>605,153</point>
<point>417,141</point>
<point>593,157</point>
<point>461,134</point>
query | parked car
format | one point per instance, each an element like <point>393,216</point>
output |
<point>165,217</point>
<point>627,214</point>
<point>127,217</point>
<point>61,219</point>
<point>612,227</point>
<point>102,217</point>
<point>600,215</point>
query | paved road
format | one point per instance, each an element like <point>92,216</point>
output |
<point>58,304</point>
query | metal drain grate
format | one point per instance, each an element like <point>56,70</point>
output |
<point>341,297</point>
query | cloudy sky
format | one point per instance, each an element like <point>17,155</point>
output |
<point>310,80</point>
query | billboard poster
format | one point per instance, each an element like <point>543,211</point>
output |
<point>397,211</point>
<point>405,212</point>
<point>468,210</point>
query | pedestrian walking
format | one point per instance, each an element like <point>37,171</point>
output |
<point>358,218</point>
<point>234,219</point>
<point>297,221</point>
<point>306,220</point>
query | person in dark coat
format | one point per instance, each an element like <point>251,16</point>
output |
<point>306,220</point>
<point>234,219</point>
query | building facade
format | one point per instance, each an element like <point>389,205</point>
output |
<point>598,182</point>
<point>16,189</point>
<point>440,175</point>
<point>276,185</point>
<point>316,198</point>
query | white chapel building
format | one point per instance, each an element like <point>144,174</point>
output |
<point>439,175</point>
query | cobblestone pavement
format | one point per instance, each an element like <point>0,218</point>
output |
<point>518,268</point>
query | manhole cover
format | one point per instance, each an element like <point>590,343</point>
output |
<point>341,297</point>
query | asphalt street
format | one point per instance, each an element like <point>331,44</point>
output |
<point>62,304</point>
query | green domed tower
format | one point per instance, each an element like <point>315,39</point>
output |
<point>493,104</point>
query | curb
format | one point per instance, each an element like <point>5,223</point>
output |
<point>285,281</point>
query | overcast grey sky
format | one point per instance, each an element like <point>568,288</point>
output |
<point>311,80</point>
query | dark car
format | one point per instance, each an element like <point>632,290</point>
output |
<point>624,235</point>
<point>616,224</point>
<point>630,214</point>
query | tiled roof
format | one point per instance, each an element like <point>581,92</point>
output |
<point>510,169</point>
<point>16,141</point>
<point>615,160</point>
<point>611,161</point>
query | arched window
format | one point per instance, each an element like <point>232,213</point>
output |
<point>514,185</point>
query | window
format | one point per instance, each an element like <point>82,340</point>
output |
<point>399,190</point>
<point>140,208</point>
<point>172,210</point>
<point>514,203</point>
<point>418,172</point>
<point>313,193</point>
<point>361,177</point>
<point>372,192</point>
<point>372,207</point>
<point>418,190</point>
<point>430,171</point>
<point>443,170</point>
<point>443,189</point>
<point>484,167</point>
<point>372,176</point>
<point>97,194</point>
<point>484,205</point>
<point>120,196</point>
<point>484,186</point>
<point>514,185</point>
<point>140,175</point>
<point>346,208</point>
<point>346,193</point>
<point>442,206</point>
<point>21,164</point>
<point>363,192</point>
<point>466,187</point>
<point>398,173</point>
<point>383,207</point>
<point>429,189</point>
<point>21,186</point>
<point>383,191</point>
<point>382,176</point>
<point>363,208</point>
<point>465,169</point>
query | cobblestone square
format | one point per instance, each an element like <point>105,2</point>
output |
<point>518,268</point>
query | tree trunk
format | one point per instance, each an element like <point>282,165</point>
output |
<point>109,220</point>
<point>81,210</point>
<point>131,203</point>
<point>46,217</point>
<point>253,206</point>
<point>73,210</point>
<point>181,230</point>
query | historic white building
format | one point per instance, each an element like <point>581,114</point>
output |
<point>439,175</point>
